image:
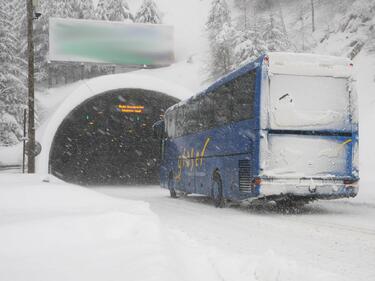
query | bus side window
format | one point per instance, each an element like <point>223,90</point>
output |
<point>191,121</point>
<point>244,94</point>
<point>171,123</point>
<point>206,113</point>
<point>222,98</point>
<point>179,122</point>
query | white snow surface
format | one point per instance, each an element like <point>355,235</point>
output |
<point>364,68</point>
<point>57,231</point>
<point>309,102</point>
<point>303,156</point>
<point>309,64</point>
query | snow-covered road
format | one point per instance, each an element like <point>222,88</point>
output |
<point>51,230</point>
<point>334,236</point>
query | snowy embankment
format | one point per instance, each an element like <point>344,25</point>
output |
<point>365,75</point>
<point>56,231</point>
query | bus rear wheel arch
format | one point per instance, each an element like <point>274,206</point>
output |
<point>217,193</point>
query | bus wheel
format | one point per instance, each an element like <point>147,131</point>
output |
<point>290,204</point>
<point>217,191</point>
<point>172,191</point>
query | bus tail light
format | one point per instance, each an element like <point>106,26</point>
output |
<point>257,181</point>
<point>349,182</point>
<point>266,60</point>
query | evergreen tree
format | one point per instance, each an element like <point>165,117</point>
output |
<point>148,13</point>
<point>101,10</point>
<point>84,9</point>
<point>114,10</point>
<point>244,19</point>
<point>274,35</point>
<point>12,89</point>
<point>249,46</point>
<point>221,37</point>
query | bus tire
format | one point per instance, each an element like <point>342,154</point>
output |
<point>172,191</point>
<point>217,191</point>
<point>290,204</point>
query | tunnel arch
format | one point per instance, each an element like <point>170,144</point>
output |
<point>100,88</point>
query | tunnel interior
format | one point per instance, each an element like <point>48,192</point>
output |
<point>108,139</point>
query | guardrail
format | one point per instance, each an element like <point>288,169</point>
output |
<point>11,167</point>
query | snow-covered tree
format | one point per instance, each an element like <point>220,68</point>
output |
<point>244,20</point>
<point>249,46</point>
<point>85,9</point>
<point>114,10</point>
<point>219,14</point>
<point>221,35</point>
<point>101,10</point>
<point>12,89</point>
<point>274,35</point>
<point>148,13</point>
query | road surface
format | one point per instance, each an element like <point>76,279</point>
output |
<point>334,236</point>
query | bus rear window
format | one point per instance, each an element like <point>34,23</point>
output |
<point>309,102</point>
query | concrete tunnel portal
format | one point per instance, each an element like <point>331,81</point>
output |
<point>108,139</point>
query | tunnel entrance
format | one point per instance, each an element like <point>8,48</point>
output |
<point>108,140</point>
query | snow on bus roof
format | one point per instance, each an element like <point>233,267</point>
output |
<point>305,58</point>
<point>288,64</point>
<point>309,64</point>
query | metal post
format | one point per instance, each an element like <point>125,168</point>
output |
<point>24,140</point>
<point>312,15</point>
<point>31,123</point>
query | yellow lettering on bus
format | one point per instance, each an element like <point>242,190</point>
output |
<point>204,150</point>
<point>197,159</point>
<point>186,159</point>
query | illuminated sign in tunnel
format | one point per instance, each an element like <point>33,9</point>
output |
<point>108,139</point>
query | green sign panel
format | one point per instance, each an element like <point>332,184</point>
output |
<point>74,40</point>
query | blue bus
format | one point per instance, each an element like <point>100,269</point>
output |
<point>283,128</point>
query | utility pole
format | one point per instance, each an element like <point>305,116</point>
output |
<point>31,122</point>
<point>313,15</point>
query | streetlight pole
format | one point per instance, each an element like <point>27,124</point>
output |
<point>31,122</point>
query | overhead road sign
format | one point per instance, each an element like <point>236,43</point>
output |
<point>73,40</point>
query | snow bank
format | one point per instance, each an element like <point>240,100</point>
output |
<point>62,232</point>
<point>11,155</point>
<point>365,72</point>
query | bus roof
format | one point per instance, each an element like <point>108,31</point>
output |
<point>309,64</point>
<point>288,64</point>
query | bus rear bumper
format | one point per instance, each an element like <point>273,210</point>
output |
<point>309,188</point>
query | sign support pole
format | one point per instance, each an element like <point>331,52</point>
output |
<point>31,122</point>
<point>24,140</point>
